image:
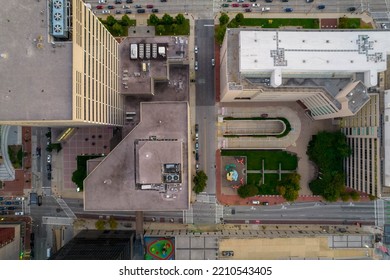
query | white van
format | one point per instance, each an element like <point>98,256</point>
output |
<point>265,9</point>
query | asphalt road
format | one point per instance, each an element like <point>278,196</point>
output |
<point>330,212</point>
<point>205,100</point>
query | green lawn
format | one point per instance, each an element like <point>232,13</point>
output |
<point>308,23</point>
<point>352,23</point>
<point>271,158</point>
<point>270,183</point>
<point>180,29</point>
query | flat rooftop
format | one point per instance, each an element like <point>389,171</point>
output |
<point>311,51</point>
<point>36,77</point>
<point>152,155</point>
<point>137,76</point>
<point>112,184</point>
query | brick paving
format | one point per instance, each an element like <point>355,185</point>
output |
<point>88,141</point>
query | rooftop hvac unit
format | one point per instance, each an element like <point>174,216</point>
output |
<point>141,51</point>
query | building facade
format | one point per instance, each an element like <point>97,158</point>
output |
<point>363,167</point>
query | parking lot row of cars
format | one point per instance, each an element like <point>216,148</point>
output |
<point>9,204</point>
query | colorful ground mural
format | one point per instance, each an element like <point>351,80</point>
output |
<point>159,248</point>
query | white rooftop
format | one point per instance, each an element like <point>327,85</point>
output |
<point>307,51</point>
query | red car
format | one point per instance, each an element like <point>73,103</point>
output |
<point>149,6</point>
<point>235,5</point>
<point>245,5</point>
<point>99,7</point>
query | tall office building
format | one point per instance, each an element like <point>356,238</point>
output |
<point>363,167</point>
<point>327,72</point>
<point>64,75</point>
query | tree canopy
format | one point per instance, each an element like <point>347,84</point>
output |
<point>328,150</point>
<point>223,19</point>
<point>200,181</point>
<point>247,191</point>
<point>289,186</point>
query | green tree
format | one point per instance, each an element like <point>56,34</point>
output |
<point>354,195</point>
<point>167,19</point>
<point>78,177</point>
<point>344,196</point>
<point>126,21</point>
<point>180,19</point>
<point>220,34</point>
<point>111,21</point>
<point>117,29</point>
<point>233,24</point>
<point>160,29</point>
<point>100,224</point>
<point>239,17</point>
<point>113,223</point>
<point>174,28</point>
<point>200,181</point>
<point>289,186</point>
<point>154,20</point>
<point>247,191</point>
<point>223,19</point>
<point>372,197</point>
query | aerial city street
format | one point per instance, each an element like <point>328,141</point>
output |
<point>195,130</point>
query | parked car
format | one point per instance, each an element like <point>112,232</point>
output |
<point>8,203</point>
<point>265,9</point>
<point>212,62</point>
<point>248,10</point>
<point>102,1</point>
<point>196,146</point>
<point>154,10</point>
<point>321,7</point>
<point>196,156</point>
<point>1,198</point>
<point>48,167</point>
<point>110,7</point>
<point>268,1</point>
<point>2,208</point>
<point>118,1</point>
<point>118,12</point>
<point>141,11</point>
<point>11,208</point>
<point>225,5</point>
<point>288,10</point>
<point>196,65</point>
<point>309,1</point>
<point>196,127</point>
<point>284,0</point>
<point>149,6</point>
<point>196,136</point>
<point>49,176</point>
<point>245,5</point>
<point>39,200</point>
<point>235,5</point>
<point>99,7</point>
<point>138,6</point>
<point>265,203</point>
<point>49,158</point>
<point>351,9</point>
<point>127,11</point>
<point>163,0</point>
<point>196,49</point>
<point>255,202</point>
<point>255,5</point>
<point>227,253</point>
<point>19,213</point>
<point>197,166</point>
<point>106,12</point>
<point>129,1</point>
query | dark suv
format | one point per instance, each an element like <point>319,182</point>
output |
<point>141,11</point>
